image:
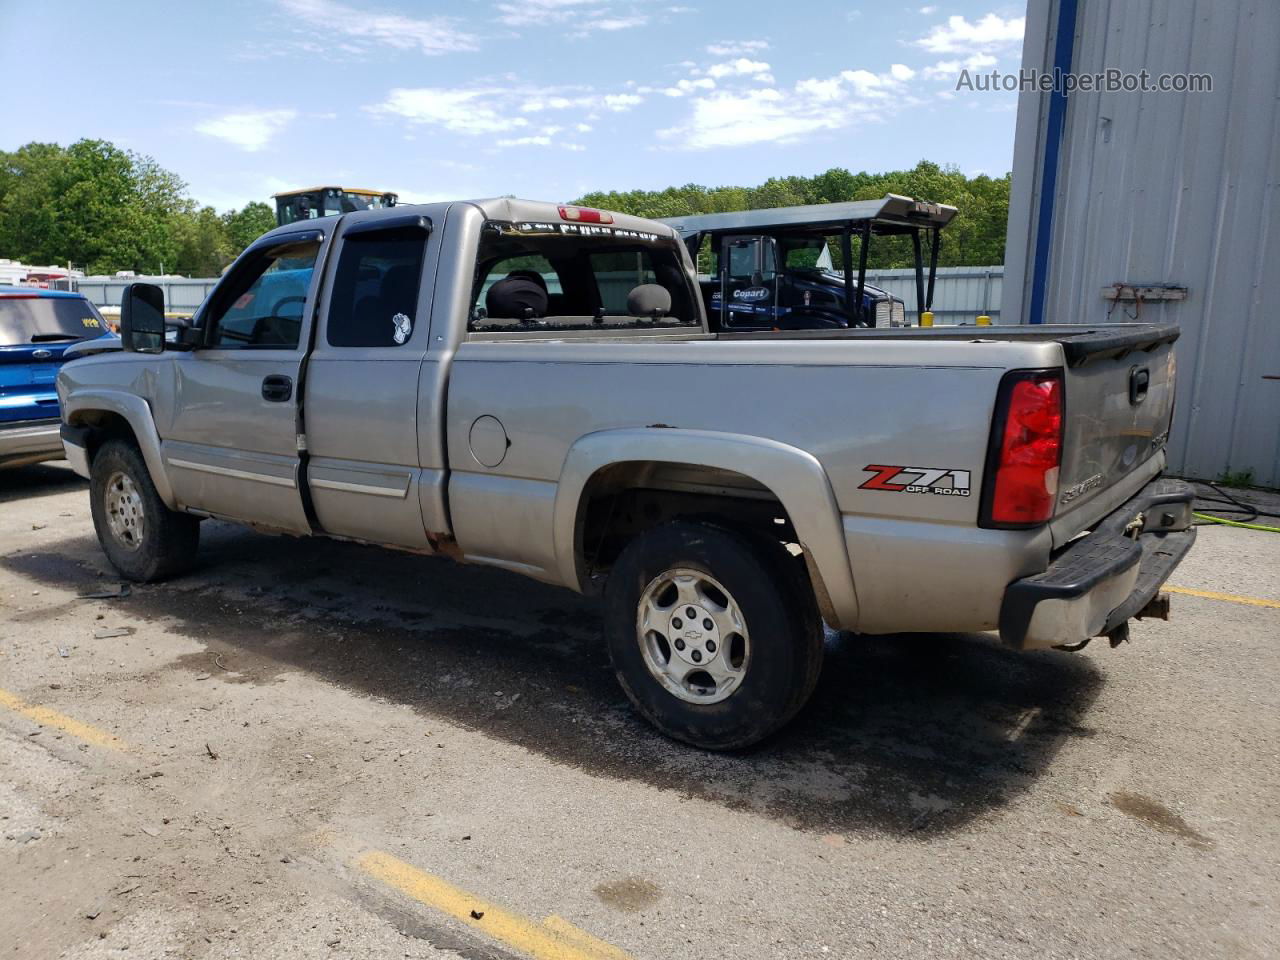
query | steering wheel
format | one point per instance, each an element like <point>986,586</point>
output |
<point>275,311</point>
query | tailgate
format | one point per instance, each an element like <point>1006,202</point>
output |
<point>1118,399</point>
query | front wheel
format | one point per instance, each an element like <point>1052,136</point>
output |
<point>142,538</point>
<point>712,635</point>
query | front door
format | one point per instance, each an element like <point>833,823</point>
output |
<point>748,283</point>
<point>231,447</point>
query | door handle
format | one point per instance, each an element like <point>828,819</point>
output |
<point>277,388</point>
<point>1139,382</point>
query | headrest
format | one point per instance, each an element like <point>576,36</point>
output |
<point>649,300</point>
<point>512,298</point>
<point>533,275</point>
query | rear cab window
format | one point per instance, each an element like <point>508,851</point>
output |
<point>533,276</point>
<point>29,318</point>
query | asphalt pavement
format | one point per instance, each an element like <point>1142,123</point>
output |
<point>307,748</point>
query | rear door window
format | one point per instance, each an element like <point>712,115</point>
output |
<point>26,318</point>
<point>374,301</point>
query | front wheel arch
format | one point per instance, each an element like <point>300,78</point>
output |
<point>121,410</point>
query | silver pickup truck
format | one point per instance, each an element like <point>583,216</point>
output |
<point>533,386</point>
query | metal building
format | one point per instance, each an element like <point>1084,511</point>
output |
<point>1173,194</point>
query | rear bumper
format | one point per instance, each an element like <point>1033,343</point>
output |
<point>29,441</point>
<point>1104,578</point>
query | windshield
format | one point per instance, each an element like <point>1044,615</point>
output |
<point>30,319</point>
<point>577,276</point>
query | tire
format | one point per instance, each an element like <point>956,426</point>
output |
<point>143,539</point>
<point>756,634</point>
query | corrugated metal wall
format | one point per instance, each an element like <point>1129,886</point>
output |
<point>1173,188</point>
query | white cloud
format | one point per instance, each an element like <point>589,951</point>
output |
<point>472,111</point>
<point>958,35</point>
<point>925,11</point>
<point>900,71</point>
<point>614,23</point>
<point>729,118</point>
<point>533,12</point>
<point>535,141</point>
<point>538,103</point>
<point>583,16</point>
<point>461,111</point>
<point>736,48</point>
<point>950,69</point>
<point>429,35</point>
<point>251,130</point>
<point>821,90</point>
<point>726,119</point>
<point>685,85</point>
<point>868,85</point>
<point>741,67</point>
<point>619,102</point>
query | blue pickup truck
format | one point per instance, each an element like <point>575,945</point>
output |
<point>36,327</point>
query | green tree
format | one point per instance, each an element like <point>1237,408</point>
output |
<point>203,247</point>
<point>975,237</point>
<point>90,203</point>
<point>247,224</point>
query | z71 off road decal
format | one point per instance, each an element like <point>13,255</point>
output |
<point>942,481</point>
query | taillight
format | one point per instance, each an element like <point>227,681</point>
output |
<point>1021,484</point>
<point>585,215</point>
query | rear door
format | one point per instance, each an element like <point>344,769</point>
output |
<point>231,445</point>
<point>360,408</point>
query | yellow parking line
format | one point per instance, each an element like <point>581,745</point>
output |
<point>601,949</point>
<point>60,721</point>
<point>555,940</point>
<point>1228,597</point>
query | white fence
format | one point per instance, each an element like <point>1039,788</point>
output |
<point>181,295</point>
<point>959,295</point>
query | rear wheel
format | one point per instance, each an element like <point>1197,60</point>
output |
<point>142,538</point>
<point>711,634</point>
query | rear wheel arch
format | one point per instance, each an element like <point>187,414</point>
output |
<point>708,634</point>
<point>741,483</point>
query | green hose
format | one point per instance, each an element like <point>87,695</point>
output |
<point>1237,523</point>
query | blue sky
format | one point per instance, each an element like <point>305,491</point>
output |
<point>545,99</point>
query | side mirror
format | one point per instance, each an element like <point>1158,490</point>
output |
<point>142,318</point>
